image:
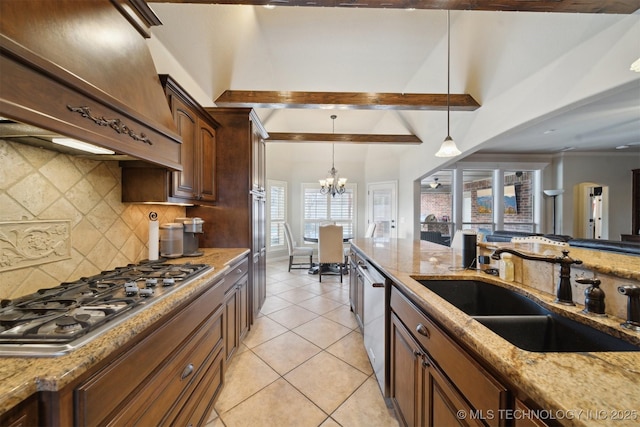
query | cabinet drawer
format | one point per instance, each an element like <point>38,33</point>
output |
<point>122,377</point>
<point>478,386</point>
<point>236,272</point>
<point>199,404</point>
<point>174,378</point>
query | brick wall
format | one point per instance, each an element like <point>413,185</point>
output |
<point>439,201</point>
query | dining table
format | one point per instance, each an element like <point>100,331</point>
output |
<point>315,267</point>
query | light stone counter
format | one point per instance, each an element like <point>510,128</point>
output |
<point>20,377</point>
<point>584,388</point>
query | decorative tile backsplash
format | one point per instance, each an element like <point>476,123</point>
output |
<point>27,243</point>
<point>40,187</point>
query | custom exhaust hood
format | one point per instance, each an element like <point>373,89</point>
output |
<point>82,69</point>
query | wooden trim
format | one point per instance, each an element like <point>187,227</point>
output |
<point>558,6</point>
<point>348,100</point>
<point>344,138</point>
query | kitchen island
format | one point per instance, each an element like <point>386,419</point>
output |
<point>577,389</point>
<point>22,377</point>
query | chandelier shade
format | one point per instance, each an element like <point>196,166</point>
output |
<point>448,147</point>
<point>333,184</point>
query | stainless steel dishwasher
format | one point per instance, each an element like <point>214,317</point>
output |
<point>376,296</point>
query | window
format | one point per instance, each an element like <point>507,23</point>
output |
<point>436,203</point>
<point>477,200</point>
<point>490,199</point>
<point>518,185</point>
<point>277,199</point>
<point>322,208</point>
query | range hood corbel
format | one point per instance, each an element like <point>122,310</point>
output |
<point>83,70</point>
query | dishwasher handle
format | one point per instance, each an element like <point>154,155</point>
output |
<point>373,278</point>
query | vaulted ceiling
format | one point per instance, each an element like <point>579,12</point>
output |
<point>522,79</point>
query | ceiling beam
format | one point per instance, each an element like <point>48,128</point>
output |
<point>345,100</point>
<point>344,138</point>
<point>558,6</point>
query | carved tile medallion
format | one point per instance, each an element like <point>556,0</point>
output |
<point>28,243</point>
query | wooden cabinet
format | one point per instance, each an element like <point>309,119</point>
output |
<point>236,307</point>
<point>25,414</point>
<point>421,394</point>
<point>196,183</point>
<point>259,235</point>
<point>433,380</point>
<point>356,289</point>
<point>238,221</point>
<point>173,373</point>
<point>524,416</point>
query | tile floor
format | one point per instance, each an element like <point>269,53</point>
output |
<point>303,362</point>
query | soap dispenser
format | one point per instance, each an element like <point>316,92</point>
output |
<point>506,268</point>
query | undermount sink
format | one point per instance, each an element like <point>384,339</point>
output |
<point>483,299</point>
<point>521,321</point>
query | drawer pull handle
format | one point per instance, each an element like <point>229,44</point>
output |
<point>426,363</point>
<point>417,353</point>
<point>422,330</point>
<point>188,370</point>
<point>239,271</point>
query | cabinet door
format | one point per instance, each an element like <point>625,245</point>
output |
<point>22,415</point>
<point>243,307</point>
<point>184,183</point>
<point>421,394</point>
<point>231,338</point>
<point>525,420</point>
<point>206,162</point>
<point>442,405</point>
<point>406,372</point>
<point>258,279</point>
<point>258,159</point>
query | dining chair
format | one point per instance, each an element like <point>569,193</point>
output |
<point>297,251</point>
<point>330,251</point>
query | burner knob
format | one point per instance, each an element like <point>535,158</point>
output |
<point>168,281</point>
<point>130,289</point>
<point>146,292</point>
<point>151,282</point>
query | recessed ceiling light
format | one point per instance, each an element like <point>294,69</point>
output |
<point>568,148</point>
<point>548,131</point>
<point>635,66</point>
<point>621,147</point>
<point>269,6</point>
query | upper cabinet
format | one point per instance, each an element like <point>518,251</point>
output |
<point>196,183</point>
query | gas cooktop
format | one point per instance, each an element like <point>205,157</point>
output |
<point>57,320</point>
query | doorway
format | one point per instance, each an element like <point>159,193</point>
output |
<point>382,208</point>
<point>591,206</point>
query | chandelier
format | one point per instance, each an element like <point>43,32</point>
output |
<point>448,147</point>
<point>333,184</point>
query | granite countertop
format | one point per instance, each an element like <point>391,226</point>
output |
<point>20,377</point>
<point>582,389</point>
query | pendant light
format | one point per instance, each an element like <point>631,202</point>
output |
<point>333,184</point>
<point>448,147</point>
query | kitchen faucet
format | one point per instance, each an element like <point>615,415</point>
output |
<point>563,290</point>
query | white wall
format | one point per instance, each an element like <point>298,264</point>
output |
<point>307,163</point>
<point>612,170</point>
